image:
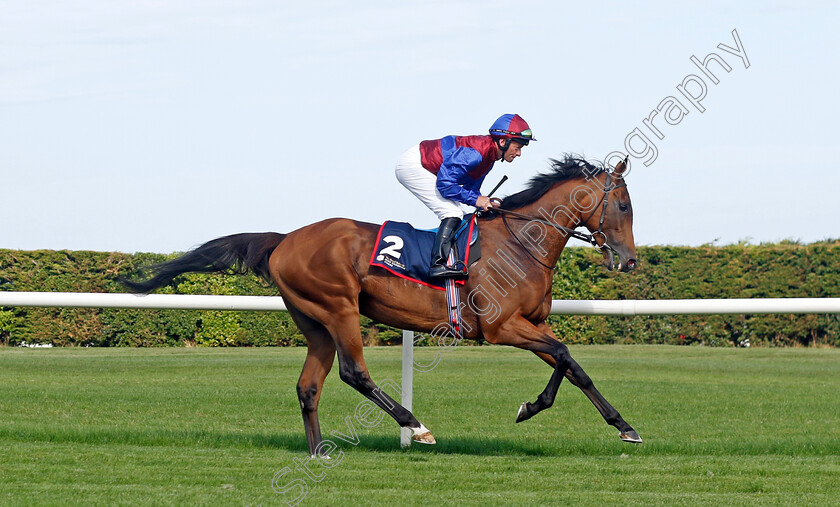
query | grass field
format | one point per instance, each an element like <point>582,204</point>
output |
<point>215,426</point>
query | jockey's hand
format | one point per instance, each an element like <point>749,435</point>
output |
<point>484,203</point>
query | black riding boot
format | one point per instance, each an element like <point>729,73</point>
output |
<point>440,251</point>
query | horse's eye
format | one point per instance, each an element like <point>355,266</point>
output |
<point>623,207</point>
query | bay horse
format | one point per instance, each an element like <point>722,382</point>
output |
<point>322,272</point>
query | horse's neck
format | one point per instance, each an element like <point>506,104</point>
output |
<point>556,210</point>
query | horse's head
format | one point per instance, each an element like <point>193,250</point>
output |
<point>611,221</point>
<point>577,193</point>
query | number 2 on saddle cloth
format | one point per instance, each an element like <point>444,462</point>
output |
<point>406,252</point>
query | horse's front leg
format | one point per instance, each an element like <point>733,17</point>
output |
<point>520,333</point>
<point>579,378</point>
<point>528,410</point>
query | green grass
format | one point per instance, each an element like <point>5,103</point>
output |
<point>214,426</point>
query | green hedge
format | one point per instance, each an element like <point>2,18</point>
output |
<point>734,271</point>
<point>83,271</point>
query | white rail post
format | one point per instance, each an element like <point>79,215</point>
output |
<point>407,381</point>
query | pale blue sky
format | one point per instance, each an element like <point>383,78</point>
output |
<point>158,125</point>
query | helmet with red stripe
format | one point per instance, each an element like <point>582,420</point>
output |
<point>512,126</point>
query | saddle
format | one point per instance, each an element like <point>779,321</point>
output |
<point>406,252</point>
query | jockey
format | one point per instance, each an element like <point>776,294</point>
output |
<point>445,173</point>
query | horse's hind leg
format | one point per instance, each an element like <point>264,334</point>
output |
<point>319,360</point>
<point>354,372</point>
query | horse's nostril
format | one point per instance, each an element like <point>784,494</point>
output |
<point>631,264</point>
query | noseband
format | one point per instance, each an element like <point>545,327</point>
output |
<point>592,239</point>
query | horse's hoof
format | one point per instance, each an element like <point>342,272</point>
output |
<point>422,435</point>
<point>522,415</point>
<point>424,438</point>
<point>630,436</point>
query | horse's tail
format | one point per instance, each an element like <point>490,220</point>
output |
<point>235,254</point>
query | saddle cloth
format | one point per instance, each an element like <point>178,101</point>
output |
<point>407,252</point>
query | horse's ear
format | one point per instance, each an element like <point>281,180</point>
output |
<point>622,167</point>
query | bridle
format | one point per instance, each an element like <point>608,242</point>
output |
<point>605,200</point>
<point>592,239</point>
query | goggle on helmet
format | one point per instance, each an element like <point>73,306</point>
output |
<point>512,126</point>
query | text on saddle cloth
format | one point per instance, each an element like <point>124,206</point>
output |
<point>406,252</point>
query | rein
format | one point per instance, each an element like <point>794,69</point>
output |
<point>582,236</point>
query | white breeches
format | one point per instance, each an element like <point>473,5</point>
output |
<point>423,184</point>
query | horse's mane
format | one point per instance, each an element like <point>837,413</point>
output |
<point>570,166</point>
